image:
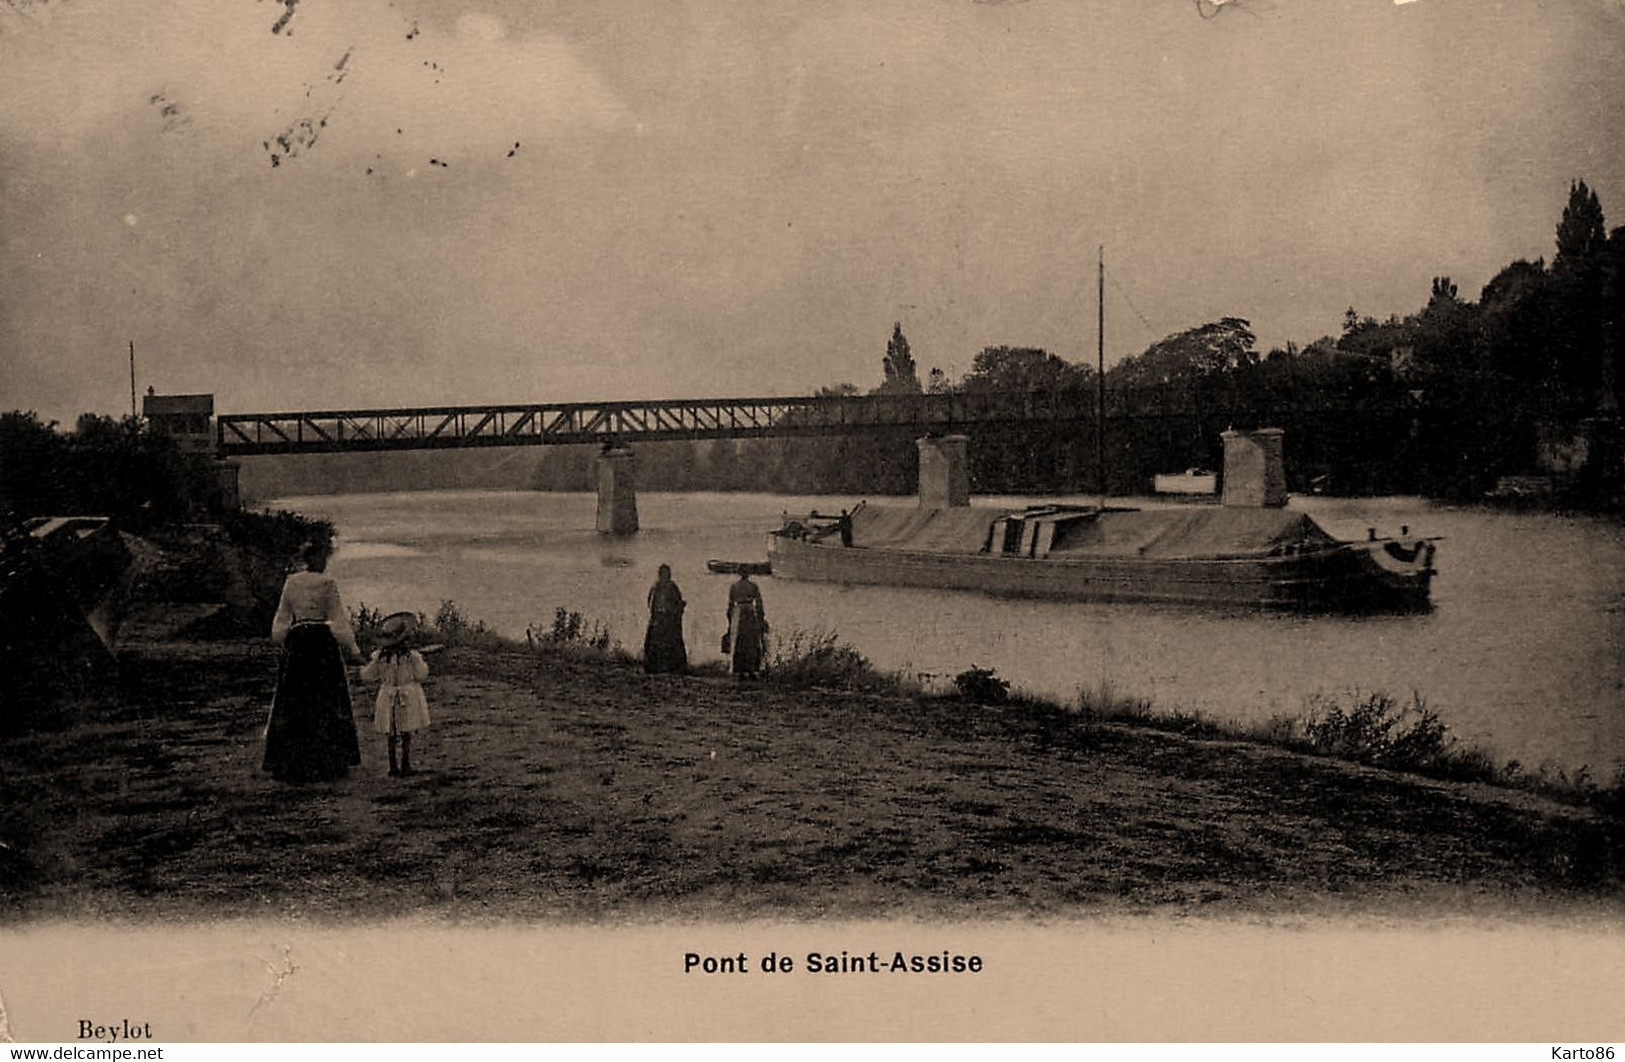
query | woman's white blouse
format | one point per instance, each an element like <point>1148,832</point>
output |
<point>312,597</point>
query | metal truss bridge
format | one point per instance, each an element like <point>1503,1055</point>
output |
<point>437,427</point>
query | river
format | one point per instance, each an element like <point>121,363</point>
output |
<point>1522,656</point>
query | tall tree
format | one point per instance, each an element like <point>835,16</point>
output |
<point>1579,281</point>
<point>1614,312</point>
<point>1580,234</point>
<point>902,378</point>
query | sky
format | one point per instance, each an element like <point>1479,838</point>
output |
<point>338,204</point>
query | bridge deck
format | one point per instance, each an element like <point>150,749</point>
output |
<point>435,427</point>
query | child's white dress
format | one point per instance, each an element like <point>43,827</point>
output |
<point>401,706</point>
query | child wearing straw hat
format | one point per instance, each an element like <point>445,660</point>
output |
<point>399,671</point>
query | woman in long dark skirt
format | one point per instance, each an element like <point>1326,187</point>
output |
<point>747,627</point>
<point>311,735</point>
<point>663,648</point>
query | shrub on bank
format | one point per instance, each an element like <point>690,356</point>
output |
<point>365,621</point>
<point>240,561</point>
<point>981,685</point>
<point>1376,729</point>
<point>1383,731</point>
<point>820,658</point>
<point>267,545</point>
<point>450,628</point>
<point>577,634</point>
<point>277,534</point>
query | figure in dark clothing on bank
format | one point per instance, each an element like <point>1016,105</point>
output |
<point>747,627</point>
<point>663,648</point>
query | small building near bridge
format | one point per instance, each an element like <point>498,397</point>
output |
<point>188,419</point>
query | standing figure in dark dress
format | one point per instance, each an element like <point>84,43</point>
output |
<point>747,626</point>
<point>311,734</point>
<point>663,648</point>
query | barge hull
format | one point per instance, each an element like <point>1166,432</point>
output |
<point>1346,577</point>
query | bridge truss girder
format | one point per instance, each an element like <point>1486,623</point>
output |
<point>444,427</point>
<point>435,427</point>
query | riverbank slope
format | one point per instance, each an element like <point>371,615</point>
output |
<point>567,787</point>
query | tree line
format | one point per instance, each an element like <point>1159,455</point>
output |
<point>125,469</point>
<point>1443,402</point>
<point>105,466</point>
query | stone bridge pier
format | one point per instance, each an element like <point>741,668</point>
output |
<point>1254,469</point>
<point>617,491</point>
<point>944,481</point>
<point>944,474</point>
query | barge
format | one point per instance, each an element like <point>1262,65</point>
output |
<point>1249,551</point>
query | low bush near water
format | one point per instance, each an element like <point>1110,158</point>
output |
<point>263,546</point>
<point>820,658</point>
<point>277,533</point>
<point>981,685</point>
<point>452,626</point>
<point>1380,730</point>
<point>574,632</point>
<point>364,620</point>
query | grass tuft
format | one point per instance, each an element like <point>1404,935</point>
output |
<point>1106,705</point>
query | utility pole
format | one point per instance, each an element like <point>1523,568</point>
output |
<point>133,413</point>
<point>1100,377</point>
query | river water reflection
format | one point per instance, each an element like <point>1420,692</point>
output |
<point>1523,654</point>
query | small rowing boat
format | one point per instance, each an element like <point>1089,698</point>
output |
<point>733,567</point>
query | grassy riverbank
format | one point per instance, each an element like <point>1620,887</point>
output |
<point>564,784</point>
